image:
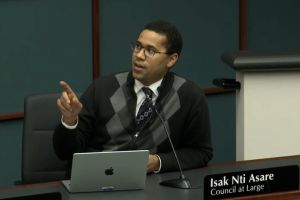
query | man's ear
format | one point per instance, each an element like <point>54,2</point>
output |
<point>172,60</point>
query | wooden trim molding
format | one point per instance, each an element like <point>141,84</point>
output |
<point>243,24</point>
<point>217,91</point>
<point>12,116</point>
<point>96,38</point>
<point>207,91</point>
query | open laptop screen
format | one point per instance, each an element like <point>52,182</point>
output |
<point>108,171</point>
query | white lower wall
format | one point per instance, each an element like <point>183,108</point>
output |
<point>268,114</point>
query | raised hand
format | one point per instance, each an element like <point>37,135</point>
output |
<point>69,104</point>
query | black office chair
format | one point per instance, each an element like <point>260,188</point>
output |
<point>39,162</point>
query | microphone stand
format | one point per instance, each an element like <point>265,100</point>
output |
<point>180,182</point>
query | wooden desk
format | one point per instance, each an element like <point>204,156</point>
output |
<point>152,191</point>
<point>291,195</point>
<point>155,191</point>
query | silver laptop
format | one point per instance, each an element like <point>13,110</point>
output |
<point>108,171</point>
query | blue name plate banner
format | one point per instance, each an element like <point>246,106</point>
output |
<point>251,182</point>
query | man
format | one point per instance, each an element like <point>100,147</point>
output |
<point>107,116</point>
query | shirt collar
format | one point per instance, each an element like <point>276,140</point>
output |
<point>138,86</point>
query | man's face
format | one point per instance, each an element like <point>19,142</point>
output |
<point>149,69</point>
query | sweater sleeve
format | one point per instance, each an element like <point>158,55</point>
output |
<point>194,146</point>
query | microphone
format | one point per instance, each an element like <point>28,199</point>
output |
<point>180,182</point>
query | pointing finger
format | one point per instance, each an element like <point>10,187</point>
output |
<point>65,101</point>
<point>66,87</point>
<point>65,97</point>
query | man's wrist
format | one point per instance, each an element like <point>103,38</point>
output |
<point>66,123</point>
<point>70,121</point>
<point>159,164</point>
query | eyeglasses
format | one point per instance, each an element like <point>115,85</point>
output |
<point>148,51</point>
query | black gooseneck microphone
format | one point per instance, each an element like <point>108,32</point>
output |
<point>180,182</point>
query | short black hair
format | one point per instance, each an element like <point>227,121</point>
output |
<point>174,38</point>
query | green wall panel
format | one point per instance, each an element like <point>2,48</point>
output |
<point>208,27</point>
<point>44,41</point>
<point>273,25</point>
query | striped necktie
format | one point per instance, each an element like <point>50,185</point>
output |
<point>146,109</point>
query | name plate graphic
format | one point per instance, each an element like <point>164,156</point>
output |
<point>251,182</point>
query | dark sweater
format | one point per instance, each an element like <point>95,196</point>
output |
<point>107,122</point>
